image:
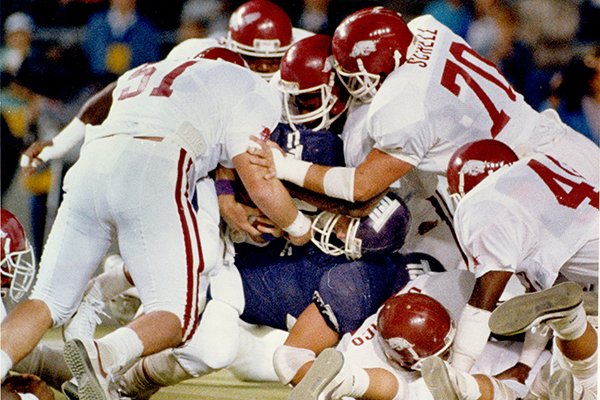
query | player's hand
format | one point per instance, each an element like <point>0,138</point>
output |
<point>301,240</point>
<point>518,372</point>
<point>30,163</point>
<point>238,216</point>
<point>264,156</point>
<point>27,383</point>
<point>267,228</point>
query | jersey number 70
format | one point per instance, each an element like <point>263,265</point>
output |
<point>452,70</point>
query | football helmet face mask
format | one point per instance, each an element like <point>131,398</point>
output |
<point>221,53</point>
<point>367,46</point>
<point>384,229</point>
<point>260,29</point>
<point>17,265</point>
<point>473,162</point>
<point>414,326</point>
<point>307,73</point>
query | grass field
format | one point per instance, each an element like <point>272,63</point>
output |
<point>220,385</point>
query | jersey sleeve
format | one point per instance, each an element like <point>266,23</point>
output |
<point>494,235</point>
<point>255,113</point>
<point>399,127</point>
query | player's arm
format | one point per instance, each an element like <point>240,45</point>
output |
<point>357,209</point>
<point>373,176</point>
<point>273,199</point>
<point>93,112</point>
<point>472,331</point>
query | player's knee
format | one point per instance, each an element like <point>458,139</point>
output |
<point>288,360</point>
<point>60,313</point>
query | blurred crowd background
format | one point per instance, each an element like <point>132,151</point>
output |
<point>56,53</point>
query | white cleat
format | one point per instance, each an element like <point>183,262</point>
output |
<point>82,359</point>
<point>440,380</point>
<point>320,379</point>
<point>562,386</point>
<point>83,324</point>
<point>529,310</point>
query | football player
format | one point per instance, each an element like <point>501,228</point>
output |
<point>428,93</point>
<point>506,207</point>
<point>170,147</point>
<point>570,373</point>
<point>383,359</point>
<point>259,30</point>
<point>44,365</point>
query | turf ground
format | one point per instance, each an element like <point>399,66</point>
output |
<point>220,385</point>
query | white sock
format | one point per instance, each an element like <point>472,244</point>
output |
<point>111,283</point>
<point>5,364</point>
<point>361,381</point>
<point>572,326</point>
<point>119,349</point>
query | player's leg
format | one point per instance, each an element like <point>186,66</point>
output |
<point>561,308</point>
<point>160,243</point>
<point>113,281</point>
<point>347,294</point>
<point>332,376</point>
<point>75,246</point>
<point>448,383</point>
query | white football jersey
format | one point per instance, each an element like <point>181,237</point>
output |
<point>446,95</point>
<point>222,102</point>
<point>452,289</point>
<point>530,218</point>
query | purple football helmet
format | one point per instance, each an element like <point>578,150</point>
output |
<point>384,229</point>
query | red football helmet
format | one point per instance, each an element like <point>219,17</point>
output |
<point>307,75</point>
<point>414,326</point>
<point>367,46</point>
<point>221,53</point>
<point>259,28</point>
<point>474,161</point>
<point>18,263</point>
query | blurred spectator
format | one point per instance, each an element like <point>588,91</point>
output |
<point>51,85</point>
<point>119,39</point>
<point>494,34</point>
<point>576,94</point>
<point>18,35</point>
<point>202,18</point>
<point>589,24</point>
<point>9,158</point>
<point>315,16</point>
<point>549,27</point>
<point>455,14</point>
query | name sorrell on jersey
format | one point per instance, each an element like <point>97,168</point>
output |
<point>363,48</point>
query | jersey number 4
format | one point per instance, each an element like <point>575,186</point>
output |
<point>145,72</point>
<point>558,184</point>
<point>452,70</point>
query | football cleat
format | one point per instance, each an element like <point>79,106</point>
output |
<point>442,381</point>
<point>70,389</point>
<point>529,310</point>
<point>83,361</point>
<point>562,386</point>
<point>84,322</point>
<point>320,379</point>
